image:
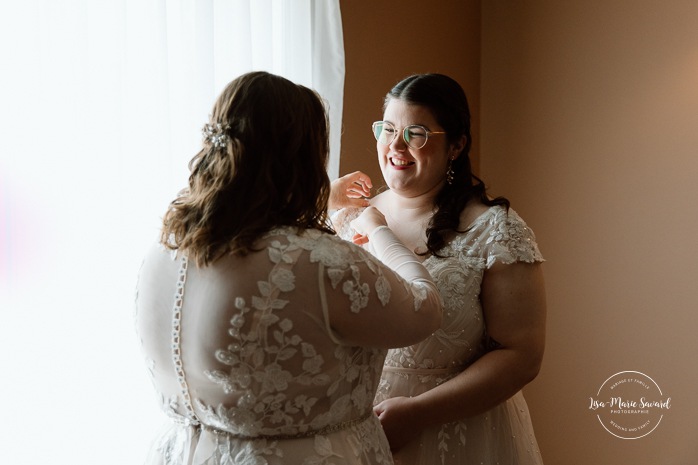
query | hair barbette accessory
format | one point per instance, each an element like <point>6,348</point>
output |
<point>215,134</point>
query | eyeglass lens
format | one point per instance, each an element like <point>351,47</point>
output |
<point>414,136</point>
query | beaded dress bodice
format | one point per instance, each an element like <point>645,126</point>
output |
<point>497,235</point>
<point>503,434</point>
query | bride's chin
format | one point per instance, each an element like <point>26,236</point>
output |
<point>395,184</point>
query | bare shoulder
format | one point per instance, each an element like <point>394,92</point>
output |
<point>472,211</point>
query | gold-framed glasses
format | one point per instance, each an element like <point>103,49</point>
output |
<point>414,135</point>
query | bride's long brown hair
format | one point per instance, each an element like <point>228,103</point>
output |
<point>270,172</point>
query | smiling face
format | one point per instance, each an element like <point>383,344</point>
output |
<point>413,172</point>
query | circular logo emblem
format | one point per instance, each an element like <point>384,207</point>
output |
<point>630,405</point>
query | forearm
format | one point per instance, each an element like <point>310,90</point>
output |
<point>491,380</point>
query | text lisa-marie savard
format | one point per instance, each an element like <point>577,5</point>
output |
<point>643,405</point>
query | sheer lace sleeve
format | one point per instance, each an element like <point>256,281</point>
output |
<point>510,239</point>
<point>342,218</point>
<point>393,253</point>
<point>369,302</point>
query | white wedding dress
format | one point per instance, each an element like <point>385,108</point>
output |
<point>503,435</point>
<point>246,359</point>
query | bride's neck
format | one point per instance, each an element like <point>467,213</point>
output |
<point>413,207</point>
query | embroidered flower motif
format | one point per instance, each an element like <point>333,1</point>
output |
<point>305,403</point>
<point>452,286</point>
<point>284,279</point>
<point>237,321</point>
<point>252,453</point>
<point>330,254</point>
<point>314,364</point>
<point>442,446</point>
<point>266,358</point>
<point>273,378</point>
<point>322,447</point>
<point>236,420</point>
<point>336,275</point>
<point>383,290</point>
<point>357,292</point>
<point>419,294</point>
<point>279,252</point>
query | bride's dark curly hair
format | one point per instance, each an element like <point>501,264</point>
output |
<point>449,105</point>
<point>270,172</point>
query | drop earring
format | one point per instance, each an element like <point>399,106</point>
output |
<point>450,172</point>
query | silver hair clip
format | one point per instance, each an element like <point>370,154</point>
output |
<point>215,134</point>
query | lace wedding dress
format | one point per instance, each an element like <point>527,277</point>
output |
<point>504,435</point>
<point>246,357</point>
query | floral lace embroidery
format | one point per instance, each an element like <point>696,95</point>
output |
<point>497,235</point>
<point>266,357</point>
<point>255,361</point>
<point>458,430</point>
<point>510,239</point>
<point>251,453</point>
<point>357,291</point>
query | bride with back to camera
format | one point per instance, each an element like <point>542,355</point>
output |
<point>454,398</point>
<point>262,330</point>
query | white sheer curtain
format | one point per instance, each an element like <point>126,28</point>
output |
<point>101,104</point>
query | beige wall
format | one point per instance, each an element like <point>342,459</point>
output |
<point>586,117</point>
<point>589,123</point>
<point>385,41</point>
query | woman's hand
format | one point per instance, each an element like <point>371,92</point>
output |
<point>365,223</point>
<point>399,421</point>
<point>351,190</point>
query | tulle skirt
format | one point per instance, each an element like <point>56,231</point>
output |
<point>361,443</point>
<point>501,436</point>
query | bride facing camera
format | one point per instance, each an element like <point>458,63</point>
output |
<point>455,397</point>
